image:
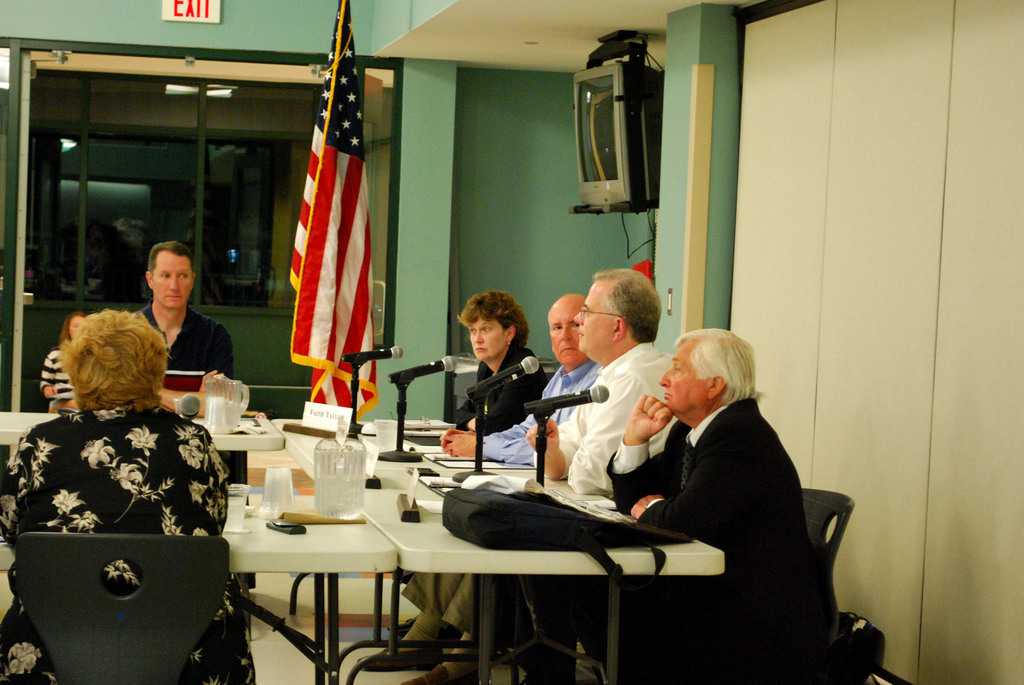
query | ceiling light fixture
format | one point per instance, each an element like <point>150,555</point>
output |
<point>178,89</point>
<point>213,90</point>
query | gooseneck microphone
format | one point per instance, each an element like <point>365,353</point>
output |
<point>410,374</point>
<point>550,405</point>
<point>481,389</point>
<point>395,352</point>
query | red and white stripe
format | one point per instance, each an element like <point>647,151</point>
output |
<point>332,272</point>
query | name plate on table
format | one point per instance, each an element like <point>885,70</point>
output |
<point>326,417</point>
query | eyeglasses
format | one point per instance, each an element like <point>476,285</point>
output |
<point>585,310</point>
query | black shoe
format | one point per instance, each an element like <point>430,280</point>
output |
<point>404,627</point>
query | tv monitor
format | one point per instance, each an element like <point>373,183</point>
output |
<point>617,113</point>
<point>601,135</point>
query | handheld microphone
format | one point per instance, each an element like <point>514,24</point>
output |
<point>550,405</point>
<point>187,406</point>
<point>481,389</point>
<point>395,352</point>
<point>407,375</point>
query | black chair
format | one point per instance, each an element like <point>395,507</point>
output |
<point>95,636</point>
<point>821,508</point>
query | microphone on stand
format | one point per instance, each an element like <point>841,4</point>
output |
<point>395,352</point>
<point>543,409</point>
<point>402,379</point>
<point>484,387</point>
<point>406,376</point>
<point>478,393</point>
<point>357,359</point>
<point>550,405</point>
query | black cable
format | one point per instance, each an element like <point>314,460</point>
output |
<point>651,231</point>
<point>622,218</point>
<point>651,57</point>
<point>646,242</point>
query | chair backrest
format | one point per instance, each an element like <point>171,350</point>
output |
<point>95,636</point>
<point>821,507</point>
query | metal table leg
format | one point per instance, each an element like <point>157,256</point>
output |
<point>396,595</point>
<point>485,621</point>
<point>378,608</point>
<point>318,626</point>
<point>333,666</point>
<point>612,654</point>
<point>238,464</point>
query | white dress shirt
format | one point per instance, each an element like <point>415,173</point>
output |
<point>591,436</point>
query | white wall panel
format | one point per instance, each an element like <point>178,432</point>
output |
<point>974,602</point>
<point>780,216</point>
<point>879,299</point>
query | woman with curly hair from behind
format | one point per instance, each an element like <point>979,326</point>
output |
<point>121,465</point>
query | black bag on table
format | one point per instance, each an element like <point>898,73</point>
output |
<point>536,522</point>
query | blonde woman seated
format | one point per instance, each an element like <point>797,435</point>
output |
<point>122,465</point>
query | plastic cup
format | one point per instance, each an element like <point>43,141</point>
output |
<point>387,434</point>
<point>277,492</point>
<point>237,495</point>
<point>372,451</point>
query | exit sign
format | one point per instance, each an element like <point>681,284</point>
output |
<point>202,11</point>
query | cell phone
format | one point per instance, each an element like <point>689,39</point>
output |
<point>423,471</point>
<point>286,527</point>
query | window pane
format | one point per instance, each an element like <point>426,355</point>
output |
<point>143,103</point>
<point>378,104</point>
<point>237,225</point>
<point>141,191</point>
<point>52,234</point>
<point>56,100</point>
<point>265,109</point>
<point>5,63</point>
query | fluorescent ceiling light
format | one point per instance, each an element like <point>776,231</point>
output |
<point>67,144</point>
<point>213,90</point>
<point>176,89</point>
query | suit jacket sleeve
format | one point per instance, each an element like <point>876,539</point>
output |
<point>465,413</point>
<point>659,475</point>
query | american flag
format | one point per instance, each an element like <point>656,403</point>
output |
<point>331,268</point>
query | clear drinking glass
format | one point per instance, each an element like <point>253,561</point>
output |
<point>277,492</point>
<point>238,493</point>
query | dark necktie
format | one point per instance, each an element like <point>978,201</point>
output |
<point>688,451</point>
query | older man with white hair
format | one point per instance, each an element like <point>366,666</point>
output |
<point>724,478</point>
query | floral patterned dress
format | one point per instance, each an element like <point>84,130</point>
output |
<point>116,471</point>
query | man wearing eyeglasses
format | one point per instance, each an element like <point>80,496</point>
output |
<point>618,324</point>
